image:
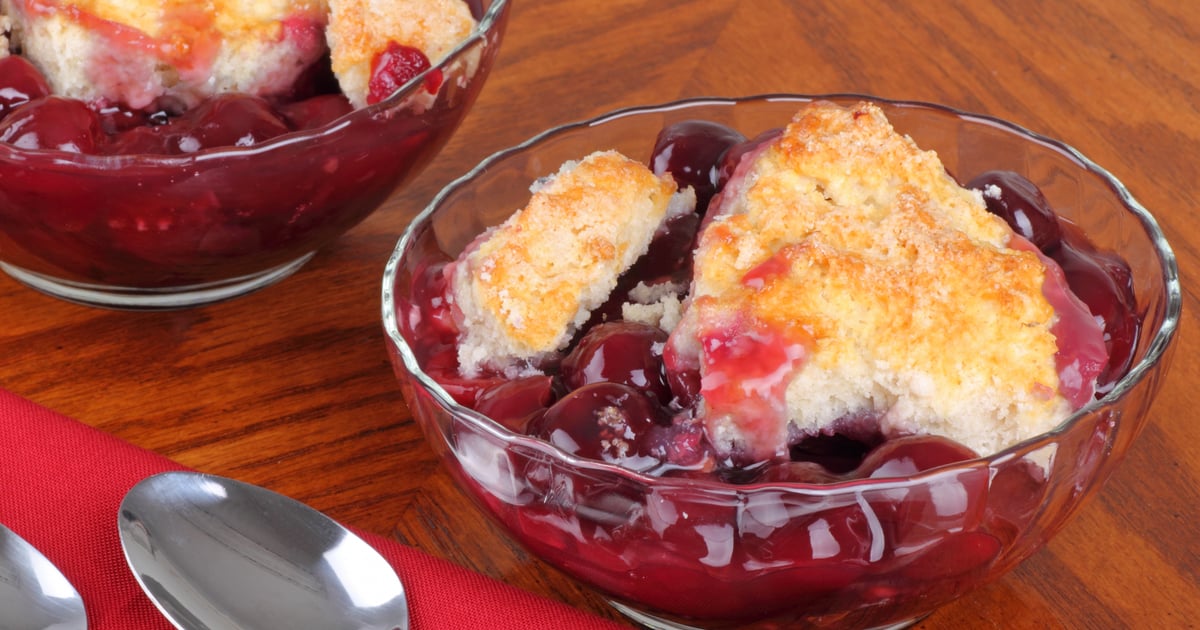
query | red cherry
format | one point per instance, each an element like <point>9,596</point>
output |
<point>148,140</point>
<point>1104,283</point>
<point>837,540</point>
<point>907,456</point>
<point>956,556</point>
<point>228,120</point>
<point>20,83</point>
<point>440,362</point>
<point>53,122</point>
<point>317,111</point>
<point>513,403</point>
<point>476,8</point>
<point>668,260</point>
<point>395,66</point>
<point>691,152</point>
<point>604,421</point>
<point>795,472</point>
<point>1021,204</point>
<point>434,317</point>
<point>318,78</point>
<point>925,513</point>
<point>1015,494</point>
<point>115,119</point>
<point>682,445</point>
<point>670,252</point>
<point>682,376</point>
<point>625,352</point>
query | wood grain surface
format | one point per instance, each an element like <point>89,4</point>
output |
<point>291,388</point>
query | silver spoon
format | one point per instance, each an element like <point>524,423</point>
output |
<point>34,594</point>
<point>215,553</point>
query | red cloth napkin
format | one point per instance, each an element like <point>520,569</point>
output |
<point>61,483</point>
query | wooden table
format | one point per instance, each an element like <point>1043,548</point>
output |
<point>291,388</point>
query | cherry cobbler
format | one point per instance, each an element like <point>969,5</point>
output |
<point>821,303</point>
<point>165,154</point>
<point>152,77</point>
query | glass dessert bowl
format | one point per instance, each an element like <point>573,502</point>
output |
<point>132,225</point>
<point>906,526</point>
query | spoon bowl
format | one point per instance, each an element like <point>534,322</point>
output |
<point>33,592</point>
<point>213,552</point>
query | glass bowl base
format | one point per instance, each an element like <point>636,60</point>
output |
<point>156,299</point>
<point>652,622</point>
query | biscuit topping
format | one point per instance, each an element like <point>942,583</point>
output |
<point>885,290</point>
<point>525,287</point>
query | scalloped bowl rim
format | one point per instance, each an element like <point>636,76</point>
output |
<point>485,25</point>
<point>1154,352</point>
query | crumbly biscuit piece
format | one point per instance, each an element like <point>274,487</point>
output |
<point>523,288</point>
<point>139,51</point>
<point>889,290</point>
<point>361,29</point>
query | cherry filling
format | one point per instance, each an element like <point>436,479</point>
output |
<point>395,66</point>
<point>620,396</point>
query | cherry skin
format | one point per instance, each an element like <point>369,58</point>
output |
<point>1105,284</point>
<point>476,7</point>
<point>514,403</point>
<point>608,422</point>
<point>149,140</point>
<point>733,157</point>
<point>229,120</point>
<point>430,291</point>
<point>691,152</point>
<point>795,472</point>
<point>1022,205</point>
<point>670,253</point>
<point>314,112</point>
<point>20,83</point>
<point>53,122</point>
<point>682,445</point>
<point>625,352</point>
<point>668,260</point>
<point>1015,493</point>
<point>683,377</point>
<point>943,510</point>
<point>956,556</point>
<point>440,361</point>
<point>822,548</point>
<point>393,67</point>
<point>115,119</point>
<point>909,455</point>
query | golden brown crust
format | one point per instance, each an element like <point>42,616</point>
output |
<point>919,312</point>
<point>525,287</point>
